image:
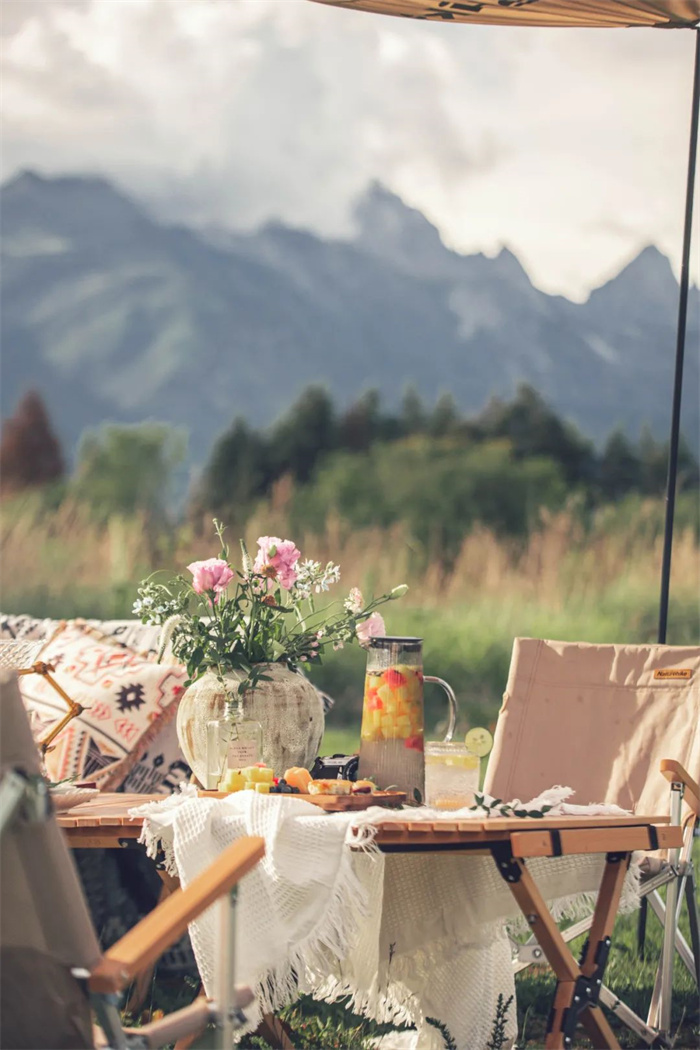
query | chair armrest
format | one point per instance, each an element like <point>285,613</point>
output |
<point>674,772</point>
<point>147,941</point>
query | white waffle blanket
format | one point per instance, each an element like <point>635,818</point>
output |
<point>407,937</point>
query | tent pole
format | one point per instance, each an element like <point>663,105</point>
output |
<point>680,352</point>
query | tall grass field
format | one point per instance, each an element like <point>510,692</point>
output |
<point>567,581</point>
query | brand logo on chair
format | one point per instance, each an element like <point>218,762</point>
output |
<point>674,672</point>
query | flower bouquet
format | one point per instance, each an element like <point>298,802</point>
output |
<point>250,627</point>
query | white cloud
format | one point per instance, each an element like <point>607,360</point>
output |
<point>570,146</point>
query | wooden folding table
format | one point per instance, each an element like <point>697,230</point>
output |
<point>105,824</point>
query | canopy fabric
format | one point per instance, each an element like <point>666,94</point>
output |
<point>667,14</point>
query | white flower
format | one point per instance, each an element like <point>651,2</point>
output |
<point>354,603</point>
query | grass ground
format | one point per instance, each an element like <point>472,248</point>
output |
<point>321,1026</point>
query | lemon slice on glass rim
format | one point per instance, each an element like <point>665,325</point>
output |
<point>479,741</point>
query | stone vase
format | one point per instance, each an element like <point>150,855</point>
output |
<point>288,708</point>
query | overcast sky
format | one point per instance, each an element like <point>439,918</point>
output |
<point>568,146</point>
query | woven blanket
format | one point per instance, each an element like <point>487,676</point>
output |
<point>410,938</point>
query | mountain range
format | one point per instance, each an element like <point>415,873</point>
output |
<point>113,315</point>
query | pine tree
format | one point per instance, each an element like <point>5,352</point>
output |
<point>445,417</point>
<point>30,454</point>
<point>413,416</point>
<point>619,467</point>
<point>534,429</point>
<point>238,472</point>
<point>303,435</point>
<point>361,425</point>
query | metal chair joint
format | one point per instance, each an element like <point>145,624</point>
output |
<point>508,867</point>
<point>586,989</point>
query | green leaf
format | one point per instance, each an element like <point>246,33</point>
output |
<point>417,796</point>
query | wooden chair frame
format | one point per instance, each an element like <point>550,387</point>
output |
<point>138,949</point>
<point>74,708</point>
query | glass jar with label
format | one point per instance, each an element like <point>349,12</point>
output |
<point>233,742</point>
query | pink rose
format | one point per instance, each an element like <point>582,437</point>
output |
<point>210,575</point>
<point>276,559</point>
<point>372,627</point>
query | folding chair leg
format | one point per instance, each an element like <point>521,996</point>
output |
<point>629,1018</point>
<point>682,947</point>
<point>691,897</point>
<point>642,927</point>
<point>226,937</point>
<point>106,1010</point>
<point>668,947</point>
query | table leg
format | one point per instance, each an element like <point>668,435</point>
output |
<point>576,994</point>
<point>595,952</point>
<point>275,1032</point>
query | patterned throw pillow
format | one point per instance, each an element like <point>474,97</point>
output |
<point>141,638</point>
<point>128,700</point>
<point>161,768</point>
<point>24,628</point>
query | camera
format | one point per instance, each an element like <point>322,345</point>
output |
<point>335,767</point>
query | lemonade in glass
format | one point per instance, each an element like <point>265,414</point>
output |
<point>451,775</point>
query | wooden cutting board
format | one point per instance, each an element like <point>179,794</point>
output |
<point>333,803</point>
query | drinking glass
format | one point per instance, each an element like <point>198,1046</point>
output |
<point>451,775</point>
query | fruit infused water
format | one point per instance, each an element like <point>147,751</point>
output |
<point>391,750</point>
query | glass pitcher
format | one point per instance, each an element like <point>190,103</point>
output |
<point>393,732</point>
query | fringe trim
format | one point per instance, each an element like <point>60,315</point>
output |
<point>153,840</point>
<point>327,945</point>
<point>345,911</point>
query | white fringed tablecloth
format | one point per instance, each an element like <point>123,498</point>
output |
<point>407,937</point>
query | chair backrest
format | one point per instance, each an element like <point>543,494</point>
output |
<point>597,718</point>
<point>45,927</point>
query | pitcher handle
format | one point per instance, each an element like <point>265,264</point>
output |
<point>452,700</point>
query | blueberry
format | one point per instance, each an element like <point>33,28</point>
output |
<point>281,782</point>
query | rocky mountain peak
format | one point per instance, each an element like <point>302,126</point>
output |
<point>391,229</point>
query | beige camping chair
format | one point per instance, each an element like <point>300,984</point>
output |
<point>614,722</point>
<point>52,967</point>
